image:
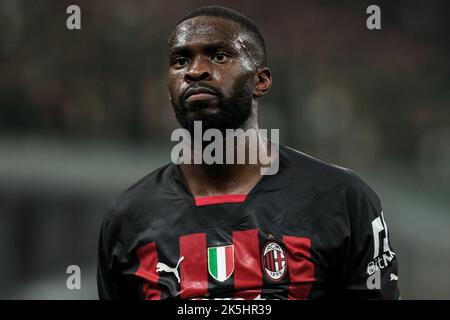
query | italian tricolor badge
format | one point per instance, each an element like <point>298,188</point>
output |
<point>221,262</point>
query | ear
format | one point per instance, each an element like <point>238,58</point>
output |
<point>263,82</point>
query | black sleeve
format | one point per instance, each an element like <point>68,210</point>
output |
<point>370,270</point>
<point>106,283</point>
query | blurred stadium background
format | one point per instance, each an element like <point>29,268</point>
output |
<point>83,114</point>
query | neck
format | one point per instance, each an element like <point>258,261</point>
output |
<point>215,179</point>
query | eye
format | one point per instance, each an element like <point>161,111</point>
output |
<point>221,57</point>
<point>179,62</point>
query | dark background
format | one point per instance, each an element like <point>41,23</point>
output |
<point>85,113</point>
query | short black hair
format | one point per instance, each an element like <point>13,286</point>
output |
<point>233,15</point>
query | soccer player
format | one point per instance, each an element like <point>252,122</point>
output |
<point>197,231</point>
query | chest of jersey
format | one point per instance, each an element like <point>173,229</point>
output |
<point>230,252</point>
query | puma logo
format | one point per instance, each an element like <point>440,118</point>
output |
<point>393,277</point>
<point>160,267</point>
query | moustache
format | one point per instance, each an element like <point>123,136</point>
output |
<point>200,88</point>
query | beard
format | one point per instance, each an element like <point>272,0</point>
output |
<point>232,111</point>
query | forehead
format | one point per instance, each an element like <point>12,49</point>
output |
<point>201,30</point>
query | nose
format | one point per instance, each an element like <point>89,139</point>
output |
<point>198,71</point>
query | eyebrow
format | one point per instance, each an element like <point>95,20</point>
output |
<point>183,49</point>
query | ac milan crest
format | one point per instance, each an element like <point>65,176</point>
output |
<point>274,261</point>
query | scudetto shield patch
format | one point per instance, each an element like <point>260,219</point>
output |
<point>221,262</point>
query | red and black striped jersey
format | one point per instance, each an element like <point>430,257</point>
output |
<point>313,230</point>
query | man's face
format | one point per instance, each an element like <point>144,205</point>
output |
<point>211,74</point>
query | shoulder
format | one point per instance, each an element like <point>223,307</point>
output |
<point>147,192</point>
<point>313,173</point>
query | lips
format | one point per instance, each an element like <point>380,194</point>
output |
<point>202,93</point>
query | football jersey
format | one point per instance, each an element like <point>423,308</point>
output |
<point>313,230</point>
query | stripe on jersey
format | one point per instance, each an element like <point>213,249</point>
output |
<point>148,258</point>
<point>300,267</point>
<point>193,269</point>
<point>247,264</point>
